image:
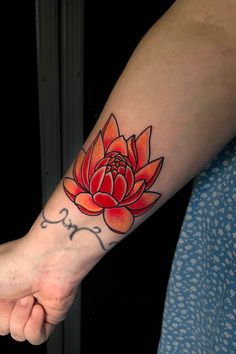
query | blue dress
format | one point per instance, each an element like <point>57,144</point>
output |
<point>200,307</point>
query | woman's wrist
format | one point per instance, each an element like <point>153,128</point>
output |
<point>61,228</point>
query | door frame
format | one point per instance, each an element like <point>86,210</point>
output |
<point>60,41</point>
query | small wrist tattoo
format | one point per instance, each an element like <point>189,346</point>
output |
<point>74,229</point>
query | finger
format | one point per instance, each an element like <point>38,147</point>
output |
<point>19,317</point>
<point>36,330</point>
<point>6,307</point>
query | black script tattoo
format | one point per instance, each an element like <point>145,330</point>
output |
<point>72,228</point>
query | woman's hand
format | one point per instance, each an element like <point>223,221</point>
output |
<point>37,287</point>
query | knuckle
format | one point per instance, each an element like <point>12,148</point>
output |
<point>17,337</point>
<point>4,329</point>
<point>4,332</point>
<point>35,342</point>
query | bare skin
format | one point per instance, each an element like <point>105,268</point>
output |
<point>41,286</point>
<point>187,58</point>
<point>37,288</point>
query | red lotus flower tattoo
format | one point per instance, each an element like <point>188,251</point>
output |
<point>113,177</point>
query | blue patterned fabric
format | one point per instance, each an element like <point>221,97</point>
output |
<point>200,306</point>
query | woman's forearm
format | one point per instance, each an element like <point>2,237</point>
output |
<point>170,112</point>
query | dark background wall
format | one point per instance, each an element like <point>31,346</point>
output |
<point>123,296</point>
<point>20,151</point>
<point>19,118</point>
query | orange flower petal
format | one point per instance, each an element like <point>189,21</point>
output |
<point>118,145</point>
<point>129,176</point>
<point>96,180</point>
<point>110,131</point>
<point>85,200</point>
<point>103,162</point>
<point>107,184</point>
<point>97,154</point>
<point>132,151</point>
<point>89,212</point>
<point>150,172</point>
<point>120,187</point>
<point>139,212</point>
<point>111,154</point>
<point>144,203</point>
<point>86,166</point>
<point>71,188</point>
<point>104,200</point>
<point>143,147</point>
<point>77,172</point>
<point>119,220</point>
<point>135,194</point>
<point>121,170</point>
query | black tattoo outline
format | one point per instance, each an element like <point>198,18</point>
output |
<point>134,152</point>
<point>73,228</point>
